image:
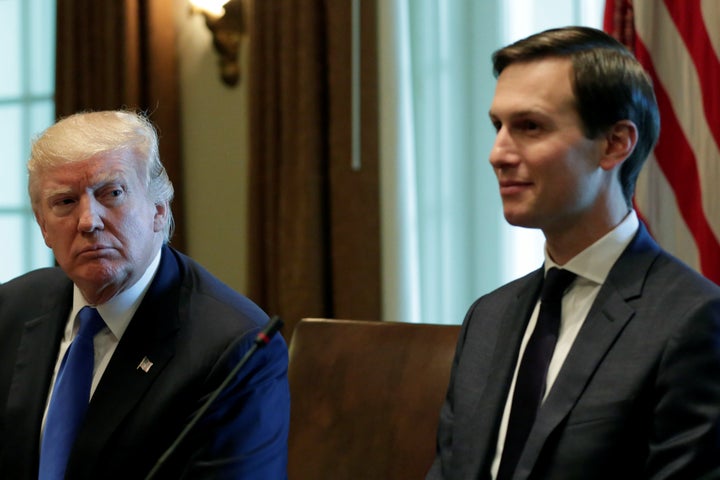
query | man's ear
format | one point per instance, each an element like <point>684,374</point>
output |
<point>160,218</point>
<point>620,141</point>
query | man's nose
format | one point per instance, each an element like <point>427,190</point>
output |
<point>90,214</point>
<point>503,152</point>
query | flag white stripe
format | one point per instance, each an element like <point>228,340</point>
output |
<point>656,201</point>
<point>711,16</point>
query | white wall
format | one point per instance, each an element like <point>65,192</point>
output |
<point>215,153</point>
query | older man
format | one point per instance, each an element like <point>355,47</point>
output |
<point>106,359</point>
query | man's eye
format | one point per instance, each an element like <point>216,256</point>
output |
<point>62,206</point>
<point>529,125</point>
<point>111,193</point>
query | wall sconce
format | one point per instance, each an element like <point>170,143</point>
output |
<point>226,21</point>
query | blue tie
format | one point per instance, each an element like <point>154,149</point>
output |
<point>70,397</point>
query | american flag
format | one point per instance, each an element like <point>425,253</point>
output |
<point>678,192</point>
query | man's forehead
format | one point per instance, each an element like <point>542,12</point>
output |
<point>543,73</point>
<point>94,170</point>
<point>534,86</point>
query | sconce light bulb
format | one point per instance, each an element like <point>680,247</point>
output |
<point>211,7</point>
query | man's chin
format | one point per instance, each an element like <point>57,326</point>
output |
<point>523,220</point>
<point>97,276</point>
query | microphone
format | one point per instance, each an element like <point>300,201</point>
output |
<point>262,339</point>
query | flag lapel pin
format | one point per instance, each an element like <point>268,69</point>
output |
<point>144,364</point>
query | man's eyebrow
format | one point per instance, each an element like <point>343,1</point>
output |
<point>59,191</point>
<point>519,113</point>
<point>116,175</point>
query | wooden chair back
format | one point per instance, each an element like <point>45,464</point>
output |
<point>366,398</point>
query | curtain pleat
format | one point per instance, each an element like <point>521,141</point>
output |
<point>314,221</point>
<point>122,54</point>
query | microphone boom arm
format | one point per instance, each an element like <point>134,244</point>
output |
<point>262,339</point>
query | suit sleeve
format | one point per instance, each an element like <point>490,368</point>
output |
<point>244,433</point>
<point>685,437</point>
<point>441,465</point>
<point>444,437</point>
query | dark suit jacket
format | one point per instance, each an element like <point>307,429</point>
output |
<point>194,330</point>
<point>638,396</point>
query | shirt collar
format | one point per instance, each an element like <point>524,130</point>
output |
<point>594,263</point>
<point>118,311</point>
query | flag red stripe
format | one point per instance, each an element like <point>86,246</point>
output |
<point>677,162</point>
<point>617,21</point>
<point>687,16</point>
<point>608,15</point>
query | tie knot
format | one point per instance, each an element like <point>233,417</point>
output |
<point>556,281</point>
<point>90,322</point>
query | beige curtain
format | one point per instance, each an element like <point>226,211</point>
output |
<point>121,54</point>
<point>314,238</point>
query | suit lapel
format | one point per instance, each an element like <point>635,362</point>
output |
<point>607,318</point>
<point>123,384</point>
<point>480,432</point>
<point>32,375</point>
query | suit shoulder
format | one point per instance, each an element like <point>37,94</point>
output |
<point>515,287</point>
<point>214,298</point>
<point>50,276</point>
<point>31,284</point>
<point>498,299</point>
<point>674,275</point>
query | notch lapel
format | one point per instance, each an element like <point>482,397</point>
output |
<point>480,430</point>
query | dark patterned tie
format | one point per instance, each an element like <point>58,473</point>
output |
<point>532,374</point>
<point>70,398</point>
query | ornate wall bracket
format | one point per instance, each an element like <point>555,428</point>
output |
<point>227,27</point>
